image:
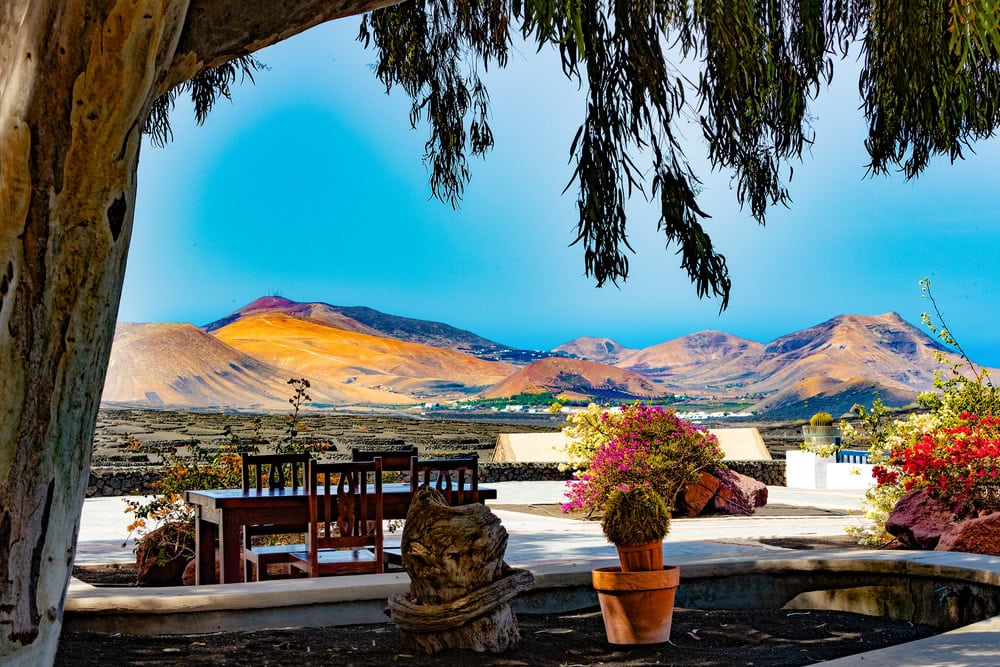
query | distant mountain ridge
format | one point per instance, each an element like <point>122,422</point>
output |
<point>372,322</point>
<point>361,356</point>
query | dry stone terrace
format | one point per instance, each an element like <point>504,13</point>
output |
<point>118,431</point>
<point>127,442</point>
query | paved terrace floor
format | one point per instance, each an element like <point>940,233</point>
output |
<point>554,544</point>
<point>102,538</point>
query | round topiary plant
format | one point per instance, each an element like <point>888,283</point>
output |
<point>821,419</point>
<point>635,516</point>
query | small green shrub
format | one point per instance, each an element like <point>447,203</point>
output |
<point>821,419</point>
<point>636,516</point>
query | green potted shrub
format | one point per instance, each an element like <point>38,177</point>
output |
<point>636,520</point>
<point>637,598</point>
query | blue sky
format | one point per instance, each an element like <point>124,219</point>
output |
<point>310,185</point>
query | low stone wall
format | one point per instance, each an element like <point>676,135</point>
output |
<point>771,473</point>
<point>522,472</point>
<point>139,481</point>
<point>121,482</point>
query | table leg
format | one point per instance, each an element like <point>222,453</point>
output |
<point>230,548</point>
<point>205,535</point>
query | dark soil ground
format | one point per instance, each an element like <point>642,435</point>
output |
<point>721,637</point>
<point>759,637</point>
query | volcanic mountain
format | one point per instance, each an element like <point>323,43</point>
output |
<point>178,365</point>
<point>310,348</point>
<point>850,356</point>
<point>368,321</point>
<point>576,379</point>
<point>601,350</point>
<point>362,356</point>
<point>694,356</point>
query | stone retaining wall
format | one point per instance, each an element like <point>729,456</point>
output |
<point>771,473</point>
<point>121,482</point>
<point>138,481</point>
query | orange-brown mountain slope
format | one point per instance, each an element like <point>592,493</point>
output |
<point>372,322</point>
<point>576,378</point>
<point>883,349</point>
<point>601,350</point>
<point>178,365</point>
<point>693,362</point>
<point>361,360</point>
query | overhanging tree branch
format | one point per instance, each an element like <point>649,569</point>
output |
<point>217,31</point>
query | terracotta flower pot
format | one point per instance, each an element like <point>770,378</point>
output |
<point>638,607</point>
<point>646,557</point>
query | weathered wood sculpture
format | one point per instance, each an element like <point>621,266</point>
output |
<point>460,586</point>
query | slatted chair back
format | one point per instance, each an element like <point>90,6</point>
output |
<point>345,515</point>
<point>457,479</point>
<point>396,460</point>
<point>274,471</point>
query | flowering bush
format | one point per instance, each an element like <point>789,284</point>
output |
<point>220,470</point>
<point>953,449</point>
<point>951,462</point>
<point>587,431</point>
<point>642,446</point>
<point>881,434</point>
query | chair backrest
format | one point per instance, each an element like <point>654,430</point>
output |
<point>457,479</point>
<point>394,460</point>
<point>279,470</point>
<point>343,511</point>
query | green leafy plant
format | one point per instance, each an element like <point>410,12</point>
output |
<point>635,515</point>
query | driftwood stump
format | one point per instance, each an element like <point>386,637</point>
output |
<point>460,586</point>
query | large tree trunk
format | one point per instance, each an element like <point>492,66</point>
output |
<point>76,84</point>
<point>77,78</point>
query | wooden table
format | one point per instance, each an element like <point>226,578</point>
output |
<point>220,515</point>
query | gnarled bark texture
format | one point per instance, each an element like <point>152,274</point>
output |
<point>77,78</point>
<point>460,586</point>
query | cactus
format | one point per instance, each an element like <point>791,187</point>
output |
<point>635,516</point>
<point>821,419</point>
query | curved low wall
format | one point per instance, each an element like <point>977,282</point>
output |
<point>942,589</point>
<point>139,481</point>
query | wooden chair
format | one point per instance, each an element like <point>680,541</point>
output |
<point>396,460</point>
<point>457,479</point>
<point>345,520</point>
<point>271,471</point>
<point>280,470</point>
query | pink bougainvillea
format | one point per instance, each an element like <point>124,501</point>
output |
<point>645,446</point>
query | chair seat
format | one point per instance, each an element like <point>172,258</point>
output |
<point>263,556</point>
<point>272,551</point>
<point>343,558</point>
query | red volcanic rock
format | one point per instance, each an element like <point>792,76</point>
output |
<point>695,496</point>
<point>738,494</point>
<point>163,554</point>
<point>975,536</point>
<point>918,520</point>
<point>190,571</point>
